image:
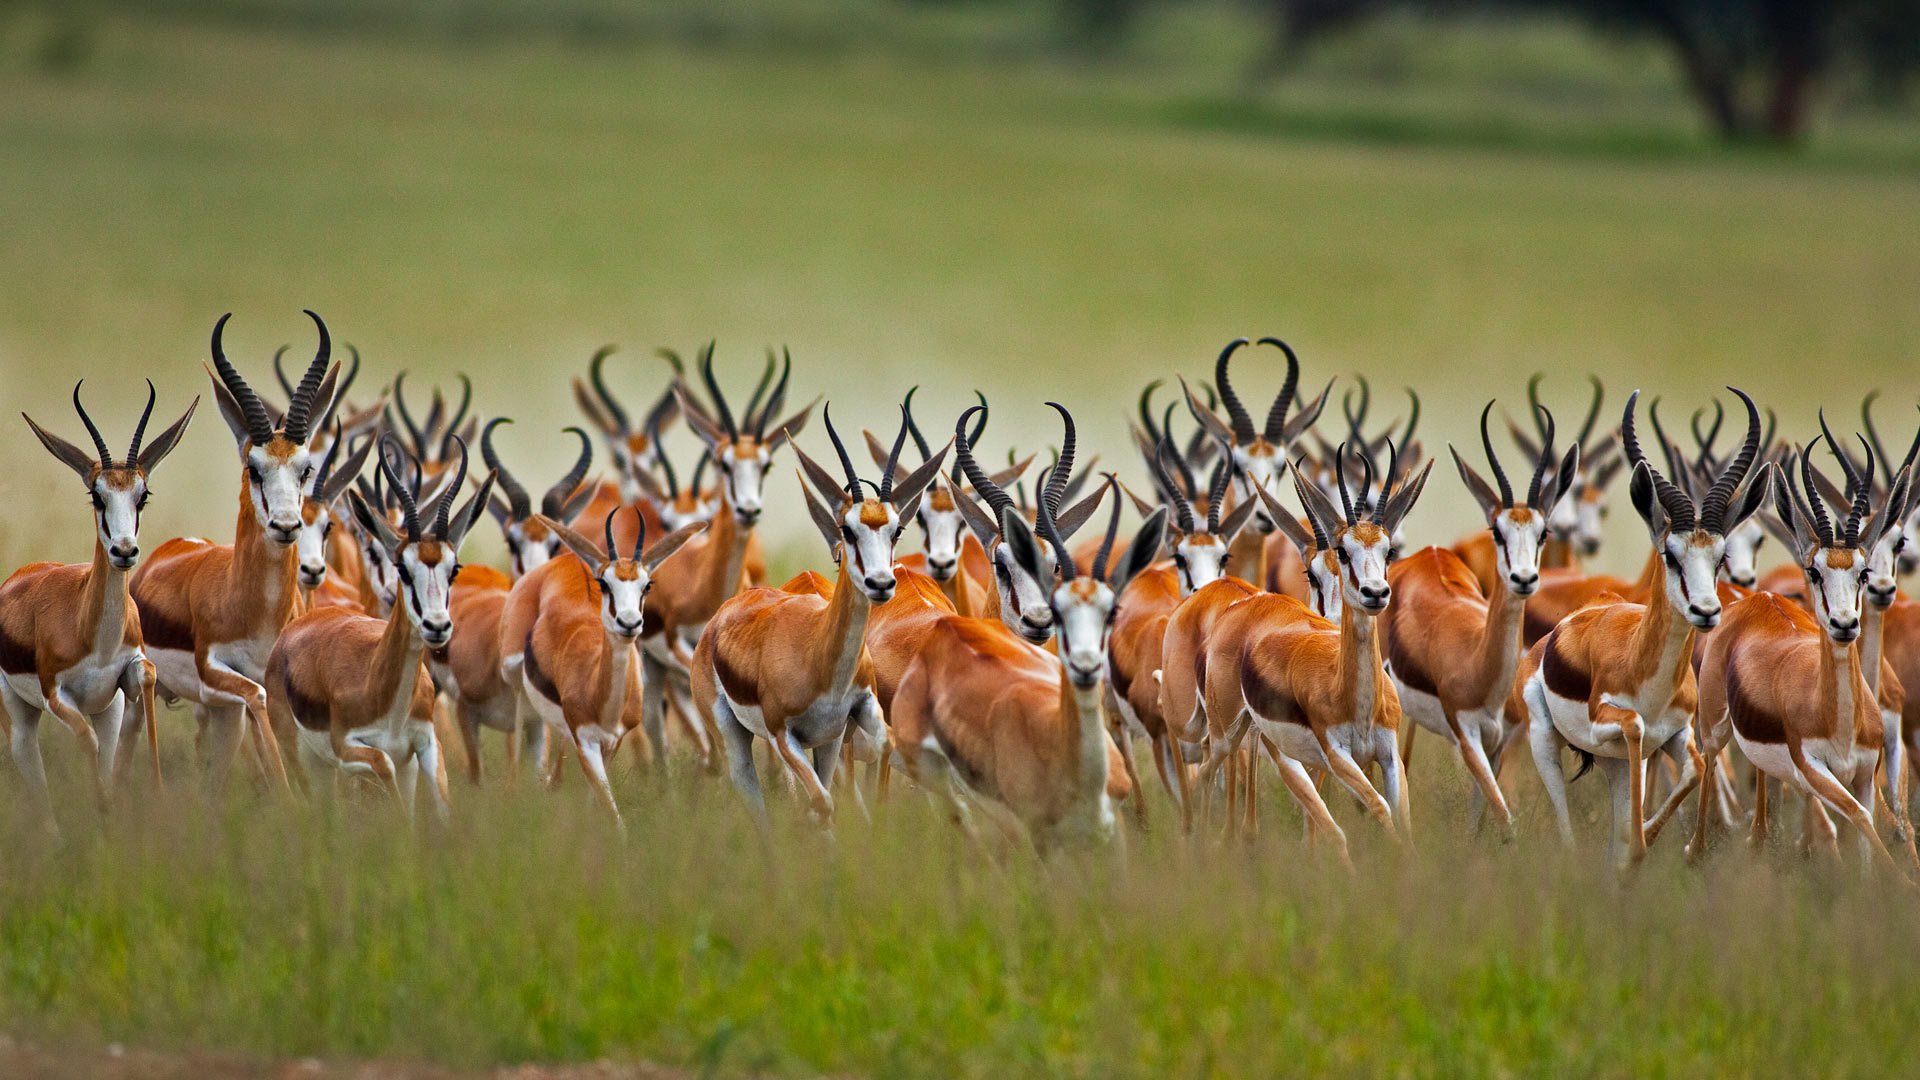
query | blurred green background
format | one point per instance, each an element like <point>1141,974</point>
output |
<point>1044,200</point>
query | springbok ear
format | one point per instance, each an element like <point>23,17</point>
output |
<point>1023,545</point>
<point>1529,446</point>
<point>70,455</point>
<point>704,427</point>
<point>345,473</point>
<point>822,519</point>
<point>230,411</point>
<point>586,550</point>
<point>1306,417</point>
<point>578,501</point>
<point>1401,504</point>
<point>1793,529</point>
<point>1318,506</point>
<point>791,426</point>
<point>664,548</point>
<point>1070,519</point>
<point>909,488</point>
<point>1010,475</point>
<point>462,520</point>
<point>1750,500</point>
<point>649,486</point>
<point>976,517</point>
<point>1780,531</point>
<point>1477,486</point>
<point>162,444</point>
<point>1284,520</point>
<point>1645,502</point>
<point>374,525</point>
<point>1140,505</point>
<point>1205,417</point>
<point>501,512</point>
<point>1237,519</point>
<point>879,454</point>
<point>1560,482</point>
<point>1141,553</point>
<point>596,415</point>
<point>1890,512</point>
<point>817,475</point>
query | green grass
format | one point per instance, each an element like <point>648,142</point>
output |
<point>504,208</point>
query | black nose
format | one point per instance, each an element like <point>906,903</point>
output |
<point>437,628</point>
<point>1524,581</point>
<point>1379,593</point>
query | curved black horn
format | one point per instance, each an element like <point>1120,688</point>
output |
<point>607,527</point>
<point>1705,442</point>
<point>1217,499</point>
<point>280,371</point>
<point>1054,492</point>
<point>300,406</point>
<point>1146,411</point>
<point>596,373</point>
<point>140,429</point>
<point>555,500</point>
<point>777,399</point>
<point>390,448</point>
<point>639,535</point>
<point>1242,423</point>
<point>1679,507</point>
<point>1546,462</point>
<point>459,414</point>
<point>1413,418</point>
<point>997,499</point>
<point>751,415</point>
<point>699,470</point>
<point>1675,463</point>
<point>1277,413</point>
<point>1822,525</point>
<point>719,399</point>
<point>1340,478</point>
<point>259,426</point>
<point>1713,508</point>
<point>443,506</point>
<point>913,429</point>
<point>517,498</point>
<point>1182,507</point>
<point>406,415</point>
<point>1593,413</point>
<point>1493,460</point>
<point>1113,529</point>
<point>893,455</point>
<point>840,448</point>
<point>99,444</point>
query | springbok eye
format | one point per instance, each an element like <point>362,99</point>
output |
<point>306,474</point>
<point>142,504</point>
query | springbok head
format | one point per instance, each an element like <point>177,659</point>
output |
<point>427,558</point>
<point>1361,540</point>
<point>1519,527</point>
<point>529,543</point>
<point>279,463</point>
<point>1691,535</point>
<point>1198,543</point>
<point>1907,554</point>
<point>432,438</point>
<point>117,489</point>
<point>1832,554</point>
<point>1886,532</point>
<point>942,525</point>
<point>332,480</point>
<point>622,582</point>
<point>635,449</point>
<point>742,451</point>
<point>1578,517</point>
<point>1258,456</point>
<point>861,532</point>
<point>1083,606</point>
<point>1026,563</point>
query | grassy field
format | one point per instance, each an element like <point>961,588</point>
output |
<point>504,208</point>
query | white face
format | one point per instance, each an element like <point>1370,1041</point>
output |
<point>942,533</point>
<point>529,546</point>
<point>743,469</point>
<point>1324,584</point>
<point>1024,602</point>
<point>118,497</point>
<point>676,515</point>
<point>316,526</point>
<point>277,488</point>
<point>381,574</point>
<point>1883,563</point>
<point>1517,532</point>
<point>1580,518</point>
<point>1200,559</point>
<point>623,585</point>
<point>868,530</point>
<point>1835,578</point>
<point>633,455</point>
<point>1257,467</point>
<point>1742,560</point>
<point>1364,550</point>
<point>426,573</point>
<point>1692,571</point>
<point>1083,609</point>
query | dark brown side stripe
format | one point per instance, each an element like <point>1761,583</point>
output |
<point>1565,679</point>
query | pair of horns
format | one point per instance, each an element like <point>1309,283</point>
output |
<point>1237,412</point>
<point>100,445</point>
<point>1053,490</point>
<point>441,509</point>
<point>1712,511</point>
<point>1543,462</point>
<point>554,501</point>
<point>756,416</point>
<point>294,426</point>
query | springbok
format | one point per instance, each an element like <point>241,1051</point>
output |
<point>568,643</point>
<point>1452,649</point>
<point>432,438</point>
<point>350,690</point>
<point>1316,691</point>
<point>635,450</point>
<point>985,719</point>
<point>70,639</point>
<point>947,544</point>
<point>319,503</point>
<point>210,613</point>
<point>1614,680</point>
<point>790,665</point>
<point>1788,683</point>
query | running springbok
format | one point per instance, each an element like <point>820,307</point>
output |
<point>790,665</point>
<point>1788,683</point>
<point>210,613</point>
<point>349,690</point>
<point>529,543</point>
<point>985,719</point>
<point>69,634</point>
<point>1452,649</point>
<point>568,643</point>
<point>319,504</point>
<point>1315,691</point>
<point>1614,680</point>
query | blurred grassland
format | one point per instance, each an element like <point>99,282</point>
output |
<point>504,206</point>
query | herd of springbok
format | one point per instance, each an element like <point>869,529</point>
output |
<point>1267,606</point>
